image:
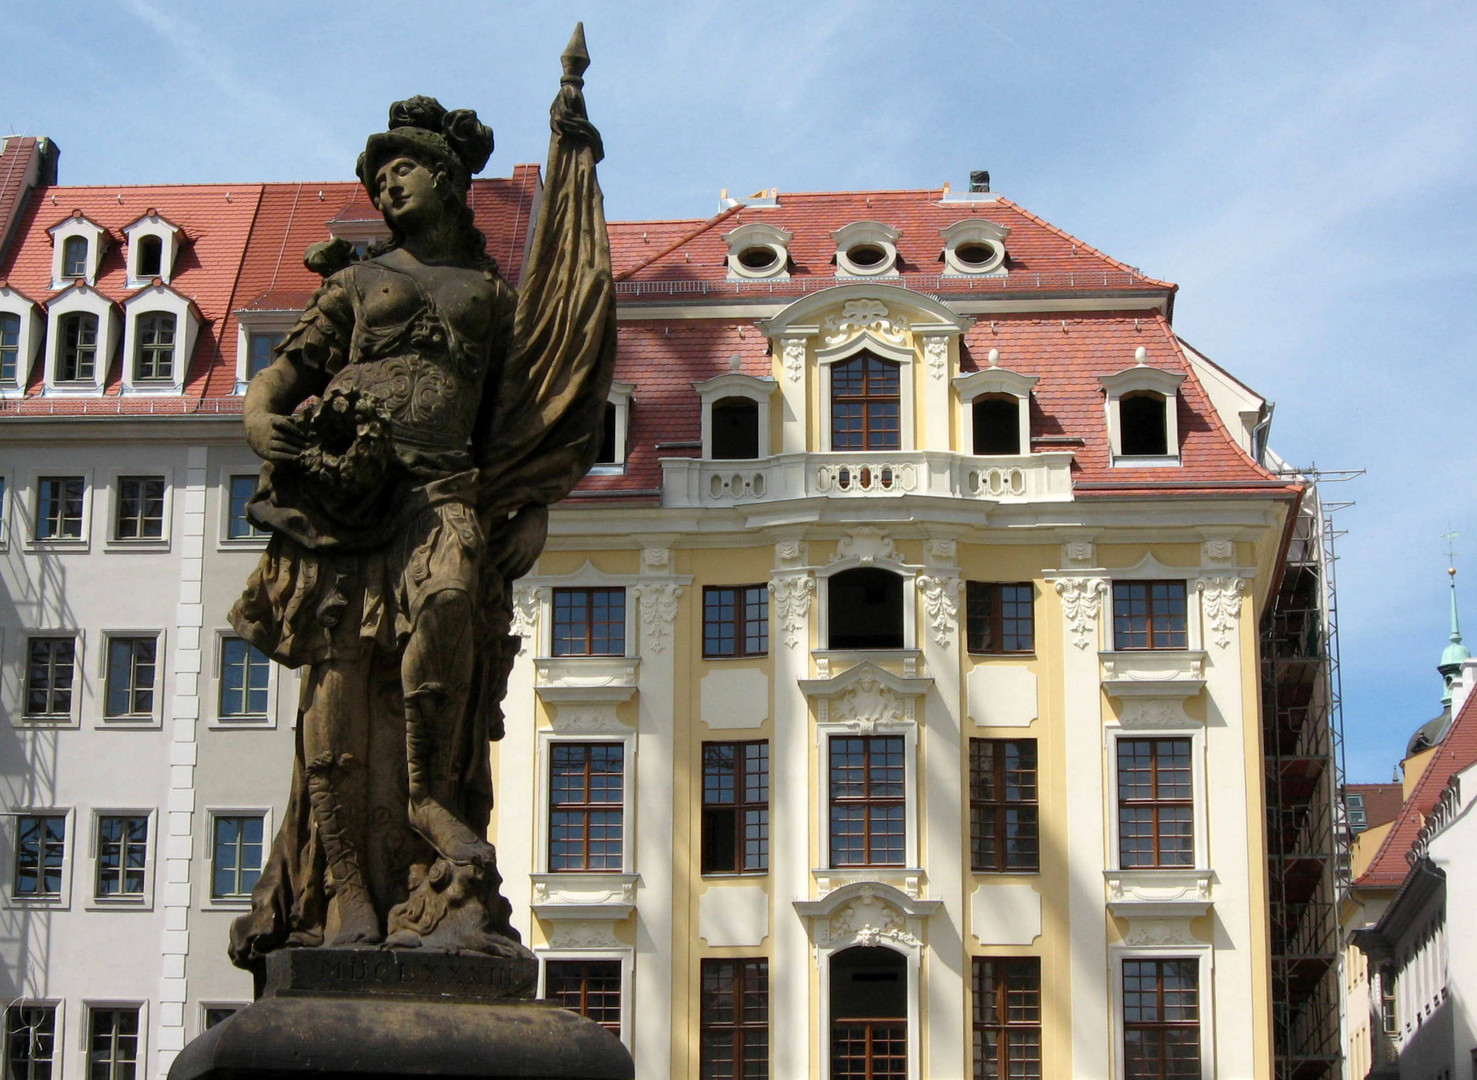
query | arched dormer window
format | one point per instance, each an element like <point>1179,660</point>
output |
<point>616,429</point>
<point>160,328</point>
<point>997,427</point>
<point>1142,403</point>
<point>22,329</point>
<point>866,249</point>
<point>77,359</point>
<point>153,354</point>
<point>997,410</point>
<point>866,404</point>
<point>150,256</point>
<point>77,244</point>
<point>81,339</point>
<point>758,252</point>
<point>735,415</point>
<point>153,242</point>
<point>865,609</point>
<point>74,257</point>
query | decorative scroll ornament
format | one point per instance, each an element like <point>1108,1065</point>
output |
<point>658,612</point>
<point>866,704</point>
<point>864,316</point>
<point>790,551</point>
<point>1159,932</point>
<point>1221,600</point>
<point>792,604</point>
<point>1153,713</point>
<point>1218,550</point>
<point>936,353</point>
<point>1081,599</point>
<point>941,604</point>
<point>941,549</point>
<point>583,934</point>
<point>1079,552</point>
<point>793,356</point>
<point>867,545</point>
<point>868,920</point>
<point>526,599</point>
<point>656,557</point>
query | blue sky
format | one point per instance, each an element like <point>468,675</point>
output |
<point>1305,172</point>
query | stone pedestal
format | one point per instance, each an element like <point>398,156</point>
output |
<point>374,1014</point>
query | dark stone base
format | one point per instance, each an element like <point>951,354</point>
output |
<point>373,1014</point>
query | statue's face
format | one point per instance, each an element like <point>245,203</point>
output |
<point>407,192</point>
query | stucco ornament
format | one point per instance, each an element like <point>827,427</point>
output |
<point>868,920</point>
<point>792,604</point>
<point>526,600</point>
<point>864,317</point>
<point>658,612</point>
<point>1150,932</point>
<point>393,588</point>
<point>866,704</point>
<point>866,545</point>
<point>940,603</point>
<point>1220,598</point>
<point>936,355</point>
<point>792,355</point>
<point>1081,600</point>
<point>1153,713</point>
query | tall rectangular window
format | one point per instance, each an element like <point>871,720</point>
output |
<point>59,507</point>
<point>130,678</point>
<point>51,664</point>
<point>259,352</point>
<point>245,675</point>
<point>1155,803</point>
<point>590,622</point>
<point>1150,615</point>
<point>154,356</point>
<point>1161,1019</point>
<point>735,620</point>
<point>868,800</point>
<point>1003,827</point>
<point>78,348</point>
<point>122,855</point>
<point>866,405</point>
<point>586,805</point>
<point>1000,617</point>
<point>591,988</point>
<point>30,1042</point>
<point>140,511</point>
<point>735,1020</point>
<point>236,849</point>
<point>735,807</point>
<point>40,855</point>
<point>239,490</point>
<point>10,344</point>
<point>1007,1019</point>
<point>112,1050</point>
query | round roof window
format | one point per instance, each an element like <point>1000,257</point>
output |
<point>866,256</point>
<point>758,257</point>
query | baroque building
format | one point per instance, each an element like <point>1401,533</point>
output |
<point>892,692</point>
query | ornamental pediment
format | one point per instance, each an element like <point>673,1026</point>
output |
<point>867,913</point>
<point>865,696</point>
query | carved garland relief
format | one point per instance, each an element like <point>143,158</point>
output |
<point>1220,598</point>
<point>658,612</point>
<point>1081,600</point>
<point>940,603</point>
<point>792,604</point>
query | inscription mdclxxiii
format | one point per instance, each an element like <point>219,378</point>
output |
<point>359,971</point>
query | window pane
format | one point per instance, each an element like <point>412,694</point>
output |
<point>735,819</point>
<point>236,856</point>
<point>238,525</point>
<point>10,337</point>
<point>50,665</point>
<point>59,507</point>
<point>589,622</point>
<point>122,850</point>
<point>30,1041</point>
<point>130,677</point>
<point>589,988</point>
<point>259,351</point>
<point>40,851</point>
<point>245,674</point>
<point>140,510</point>
<point>586,806</point>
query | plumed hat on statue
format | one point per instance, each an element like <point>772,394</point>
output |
<point>454,142</point>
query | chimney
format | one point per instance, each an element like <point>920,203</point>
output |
<point>979,180</point>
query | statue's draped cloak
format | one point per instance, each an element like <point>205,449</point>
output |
<point>536,433</point>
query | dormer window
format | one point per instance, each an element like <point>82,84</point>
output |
<point>78,360</point>
<point>152,243</point>
<point>997,410</point>
<point>974,247</point>
<point>22,329</point>
<point>735,415</point>
<point>74,257</point>
<point>154,349</point>
<point>866,249</point>
<point>612,455</point>
<point>150,256</point>
<point>758,252</point>
<point>10,341</point>
<point>1142,403</point>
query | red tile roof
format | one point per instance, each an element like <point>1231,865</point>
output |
<point>17,160</point>
<point>1381,802</point>
<point>657,257</point>
<point>1455,752</point>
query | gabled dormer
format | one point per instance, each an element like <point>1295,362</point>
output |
<point>997,409</point>
<point>78,244</point>
<point>1142,404</point>
<point>360,224</point>
<point>160,327</point>
<point>974,247</point>
<point>758,251</point>
<point>82,327</point>
<point>22,329</point>
<point>866,249</point>
<point>152,243</point>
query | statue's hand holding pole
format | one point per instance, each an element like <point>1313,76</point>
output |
<point>567,116</point>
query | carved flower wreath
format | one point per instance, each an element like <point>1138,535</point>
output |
<point>348,432</point>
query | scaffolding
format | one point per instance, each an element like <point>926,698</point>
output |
<point>1302,736</point>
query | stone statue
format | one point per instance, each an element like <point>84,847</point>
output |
<point>416,424</point>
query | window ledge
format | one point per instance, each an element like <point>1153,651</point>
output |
<point>904,662</point>
<point>221,904</point>
<point>119,903</point>
<point>243,543</point>
<point>585,678</point>
<point>1160,673</point>
<point>70,544</point>
<point>47,722</point>
<point>152,544</point>
<point>57,902</point>
<point>1159,892</point>
<point>584,894</point>
<point>1146,461</point>
<point>909,880</point>
<point>129,723</point>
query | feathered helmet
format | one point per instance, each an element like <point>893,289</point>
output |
<point>455,142</point>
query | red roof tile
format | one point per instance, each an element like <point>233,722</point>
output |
<point>1455,752</point>
<point>18,155</point>
<point>1381,802</point>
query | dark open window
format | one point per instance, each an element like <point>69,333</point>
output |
<point>735,807</point>
<point>869,1015</point>
<point>607,454</point>
<point>866,404</point>
<point>1142,424</point>
<point>150,256</point>
<point>735,429</point>
<point>997,424</point>
<point>865,609</point>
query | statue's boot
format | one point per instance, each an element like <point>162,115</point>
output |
<point>428,752</point>
<point>359,924</point>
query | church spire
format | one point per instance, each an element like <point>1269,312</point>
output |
<point>1455,652</point>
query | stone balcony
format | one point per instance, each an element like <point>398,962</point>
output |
<point>693,482</point>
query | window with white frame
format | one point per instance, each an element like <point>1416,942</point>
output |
<point>138,509</point>
<point>122,856</point>
<point>237,854</point>
<point>61,508</point>
<point>153,351</point>
<point>735,425</point>
<point>81,338</point>
<point>74,257</point>
<point>51,671</point>
<point>131,677</point>
<point>78,359</point>
<point>1142,412</point>
<point>78,243</point>
<point>586,806</point>
<point>245,681</point>
<point>30,1041</point>
<point>152,242</point>
<point>160,332</point>
<point>40,856</point>
<point>113,1042</point>
<point>615,429</point>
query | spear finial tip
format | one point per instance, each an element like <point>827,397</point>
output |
<point>576,56</point>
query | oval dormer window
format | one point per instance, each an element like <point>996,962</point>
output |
<point>975,255</point>
<point>758,258</point>
<point>866,255</point>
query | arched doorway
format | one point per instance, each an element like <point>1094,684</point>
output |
<point>869,1014</point>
